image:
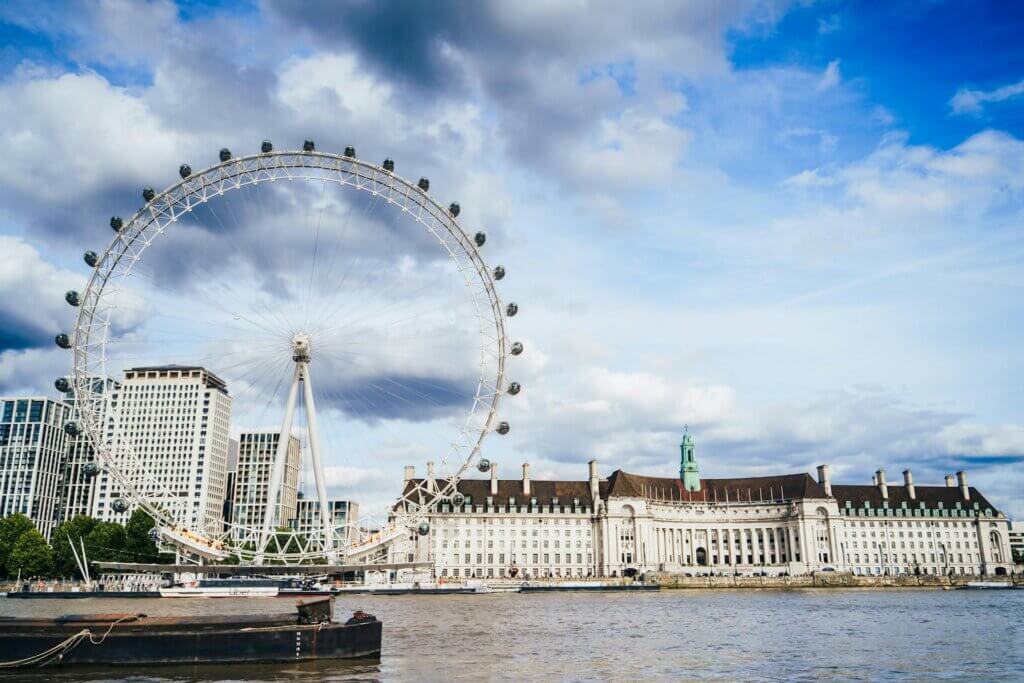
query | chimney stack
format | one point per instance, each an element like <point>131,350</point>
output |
<point>526,478</point>
<point>949,481</point>
<point>880,478</point>
<point>908,481</point>
<point>961,478</point>
<point>824,480</point>
<point>410,473</point>
<point>595,488</point>
<point>494,478</point>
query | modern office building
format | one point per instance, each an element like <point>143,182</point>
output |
<point>177,421</point>
<point>81,466</point>
<point>229,483</point>
<point>1016,534</point>
<point>784,524</point>
<point>256,452</point>
<point>33,448</point>
<point>344,517</point>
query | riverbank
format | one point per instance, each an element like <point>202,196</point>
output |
<point>821,580</point>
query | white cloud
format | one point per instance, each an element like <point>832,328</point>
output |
<point>72,137</point>
<point>968,101</point>
<point>33,305</point>
<point>830,77</point>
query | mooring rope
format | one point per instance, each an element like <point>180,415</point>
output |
<point>63,647</point>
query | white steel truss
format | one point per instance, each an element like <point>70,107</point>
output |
<point>114,267</point>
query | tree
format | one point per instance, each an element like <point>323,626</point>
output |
<point>105,543</point>
<point>11,529</point>
<point>77,527</point>
<point>31,555</point>
<point>139,546</point>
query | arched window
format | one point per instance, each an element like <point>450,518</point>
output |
<point>997,546</point>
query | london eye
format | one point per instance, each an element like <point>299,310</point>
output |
<point>316,286</point>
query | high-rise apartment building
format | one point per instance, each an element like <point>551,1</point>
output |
<point>344,514</point>
<point>256,451</point>
<point>81,466</point>
<point>33,447</point>
<point>177,422</point>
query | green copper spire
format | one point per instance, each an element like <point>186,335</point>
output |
<point>688,473</point>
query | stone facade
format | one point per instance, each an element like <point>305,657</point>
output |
<point>790,524</point>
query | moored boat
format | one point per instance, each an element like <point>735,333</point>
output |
<point>989,585</point>
<point>137,639</point>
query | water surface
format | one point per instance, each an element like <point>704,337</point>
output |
<point>705,635</point>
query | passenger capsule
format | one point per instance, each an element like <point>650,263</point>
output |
<point>308,146</point>
<point>389,165</point>
<point>350,152</point>
<point>423,529</point>
<point>116,223</point>
<point>458,500</point>
<point>517,348</point>
<point>454,209</point>
<point>90,469</point>
<point>72,428</point>
<point>424,184</point>
<point>148,193</point>
<point>511,309</point>
<point>90,258</point>
<point>154,535</point>
<point>267,147</point>
<point>484,465</point>
<point>225,154</point>
<point>499,272</point>
<point>503,428</point>
<point>62,341</point>
<point>184,171</point>
<point>119,505</point>
<point>62,385</point>
<point>480,238</point>
<point>71,296</point>
<point>514,388</point>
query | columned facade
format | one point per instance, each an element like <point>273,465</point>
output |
<point>631,524</point>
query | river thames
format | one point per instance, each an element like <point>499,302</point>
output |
<point>703,635</point>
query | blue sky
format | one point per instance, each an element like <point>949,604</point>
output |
<point>795,227</point>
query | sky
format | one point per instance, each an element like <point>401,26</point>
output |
<point>796,229</point>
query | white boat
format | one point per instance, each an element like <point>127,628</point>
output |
<point>220,592</point>
<point>989,585</point>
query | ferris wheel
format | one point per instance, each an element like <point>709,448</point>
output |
<point>307,283</point>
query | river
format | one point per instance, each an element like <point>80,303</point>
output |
<point>702,635</point>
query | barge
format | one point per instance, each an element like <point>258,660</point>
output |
<point>138,639</point>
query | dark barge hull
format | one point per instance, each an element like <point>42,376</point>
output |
<point>205,640</point>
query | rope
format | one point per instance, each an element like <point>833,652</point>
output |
<point>63,647</point>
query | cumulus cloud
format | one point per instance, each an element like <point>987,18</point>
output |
<point>25,276</point>
<point>967,101</point>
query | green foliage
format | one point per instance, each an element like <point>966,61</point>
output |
<point>106,543</point>
<point>63,559</point>
<point>138,546</point>
<point>31,555</point>
<point>11,529</point>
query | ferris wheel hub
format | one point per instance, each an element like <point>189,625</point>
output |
<point>302,347</point>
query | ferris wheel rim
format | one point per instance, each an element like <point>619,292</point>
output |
<point>182,197</point>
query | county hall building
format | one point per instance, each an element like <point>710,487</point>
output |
<point>786,524</point>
